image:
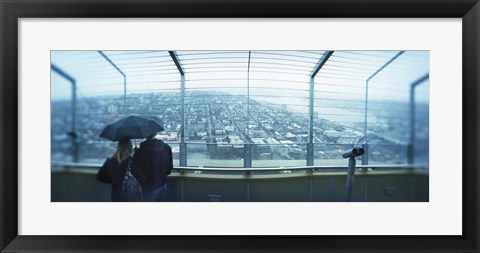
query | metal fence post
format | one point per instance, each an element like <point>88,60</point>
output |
<point>247,157</point>
<point>411,145</point>
<point>412,125</point>
<point>365,141</point>
<point>310,146</point>
<point>183,145</point>
<point>73,131</point>
<point>124,80</point>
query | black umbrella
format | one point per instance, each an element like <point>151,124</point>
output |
<point>132,127</point>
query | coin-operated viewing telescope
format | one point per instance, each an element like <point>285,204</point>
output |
<point>351,154</point>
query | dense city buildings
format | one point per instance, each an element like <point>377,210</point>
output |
<point>219,124</point>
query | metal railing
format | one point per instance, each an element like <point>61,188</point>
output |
<point>180,169</point>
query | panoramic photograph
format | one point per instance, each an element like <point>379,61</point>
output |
<point>239,126</point>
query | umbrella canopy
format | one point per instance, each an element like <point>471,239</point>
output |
<point>132,127</point>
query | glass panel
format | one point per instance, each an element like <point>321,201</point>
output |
<point>215,105</point>
<point>387,154</point>
<point>150,90</point>
<point>340,90</point>
<point>223,154</point>
<point>286,154</point>
<point>389,112</point>
<point>61,119</point>
<point>339,105</point>
<point>99,100</point>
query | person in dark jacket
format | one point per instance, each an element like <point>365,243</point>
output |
<point>154,157</point>
<point>114,169</point>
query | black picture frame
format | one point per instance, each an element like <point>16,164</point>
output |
<point>12,10</point>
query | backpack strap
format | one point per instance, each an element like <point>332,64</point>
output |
<point>129,167</point>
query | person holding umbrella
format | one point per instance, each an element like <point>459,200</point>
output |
<point>155,158</point>
<point>152,162</point>
<point>115,169</point>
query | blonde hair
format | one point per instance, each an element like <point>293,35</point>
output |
<point>124,150</point>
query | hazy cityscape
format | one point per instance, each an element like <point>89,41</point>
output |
<point>218,124</point>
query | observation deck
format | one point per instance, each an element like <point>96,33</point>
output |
<point>249,126</point>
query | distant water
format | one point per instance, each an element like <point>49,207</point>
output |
<point>339,115</point>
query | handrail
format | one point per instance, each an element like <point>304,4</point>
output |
<point>238,169</point>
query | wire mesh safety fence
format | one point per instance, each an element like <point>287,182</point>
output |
<point>247,108</point>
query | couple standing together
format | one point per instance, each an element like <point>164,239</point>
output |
<point>150,164</point>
